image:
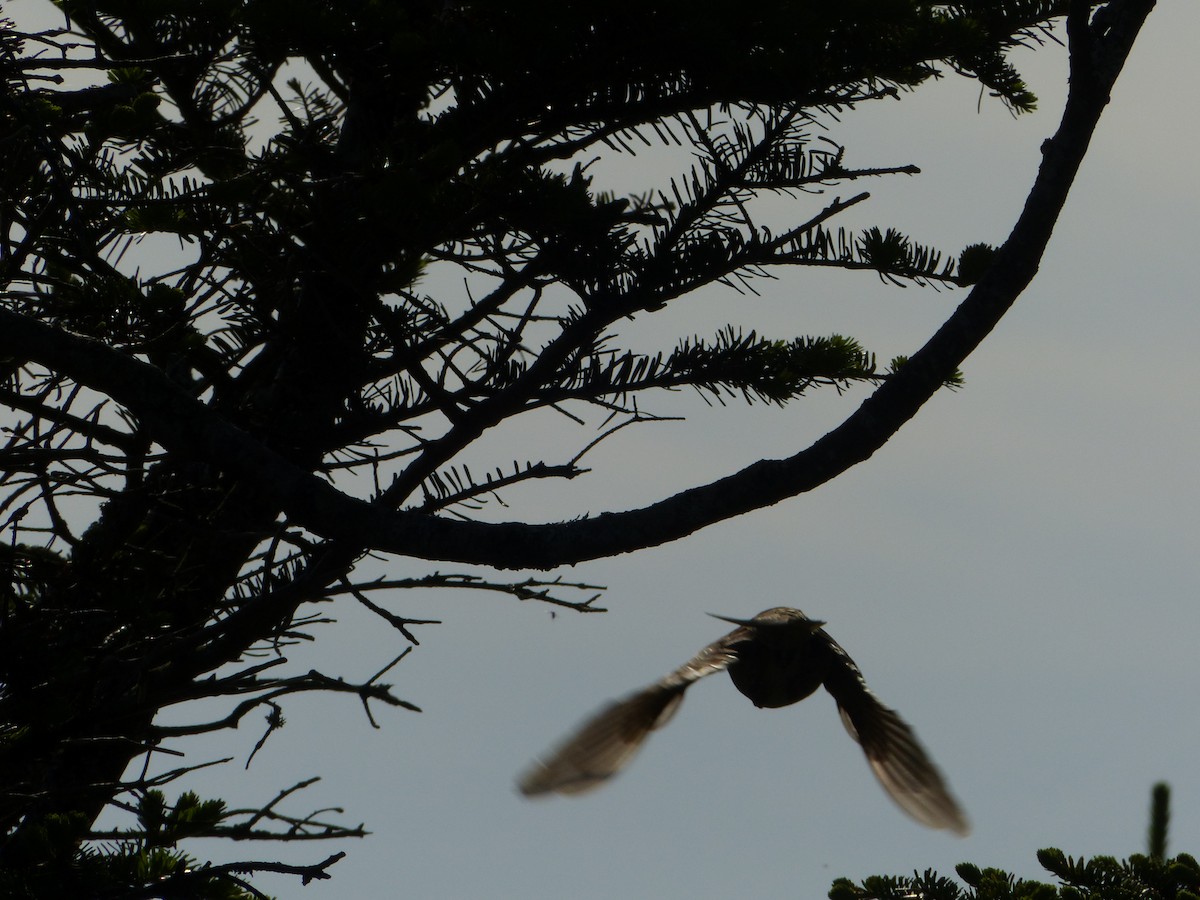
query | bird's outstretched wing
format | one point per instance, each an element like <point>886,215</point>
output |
<point>893,751</point>
<point>606,742</point>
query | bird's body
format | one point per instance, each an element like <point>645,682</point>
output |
<point>778,664</point>
<point>776,659</point>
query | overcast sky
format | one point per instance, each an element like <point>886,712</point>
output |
<point>1016,572</point>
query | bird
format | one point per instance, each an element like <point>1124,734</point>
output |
<point>777,658</point>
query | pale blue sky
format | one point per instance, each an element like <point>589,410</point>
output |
<point>1016,572</point>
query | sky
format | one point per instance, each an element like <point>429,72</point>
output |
<point>1016,571</point>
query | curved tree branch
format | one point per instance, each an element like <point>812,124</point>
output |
<point>182,424</point>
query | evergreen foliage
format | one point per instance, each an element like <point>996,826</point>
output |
<point>1102,877</point>
<point>1149,876</point>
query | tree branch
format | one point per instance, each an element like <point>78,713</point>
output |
<point>184,425</point>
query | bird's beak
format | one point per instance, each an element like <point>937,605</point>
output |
<point>732,621</point>
<point>813,624</point>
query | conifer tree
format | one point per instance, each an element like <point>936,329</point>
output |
<point>1149,876</point>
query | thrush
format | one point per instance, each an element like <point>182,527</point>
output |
<point>776,659</point>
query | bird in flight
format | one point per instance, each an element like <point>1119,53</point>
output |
<point>776,659</point>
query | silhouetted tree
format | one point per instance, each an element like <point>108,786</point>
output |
<point>203,439</point>
<point>1149,876</point>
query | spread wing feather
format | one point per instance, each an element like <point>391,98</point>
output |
<point>605,743</point>
<point>895,755</point>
